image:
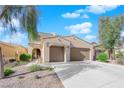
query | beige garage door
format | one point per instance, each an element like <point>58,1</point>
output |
<point>56,54</point>
<point>79,54</point>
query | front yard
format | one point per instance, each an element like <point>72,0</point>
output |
<point>22,78</point>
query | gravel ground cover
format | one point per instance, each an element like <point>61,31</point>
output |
<point>22,78</point>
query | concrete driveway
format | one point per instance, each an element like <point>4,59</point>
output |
<point>90,74</point>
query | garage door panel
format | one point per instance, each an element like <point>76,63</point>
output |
<point>56,54</point>
<point>79,54</point>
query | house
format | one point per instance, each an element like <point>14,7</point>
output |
<point>11,52</point>
<point>54,48</point>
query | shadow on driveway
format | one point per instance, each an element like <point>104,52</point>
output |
<point>68,70</point>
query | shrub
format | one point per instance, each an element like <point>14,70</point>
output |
<point>119,54</point>
<point>49,68</point>
<point>120,58</point>
<point>102,57</point>
<point>120,61</point>
<point>8,71</point>
<point>25,57</point>
<point>34,68</point>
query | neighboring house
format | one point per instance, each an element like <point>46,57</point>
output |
<point>11,52</point>
<point>54,48</point>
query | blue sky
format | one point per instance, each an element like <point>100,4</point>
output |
<point>81,21</point>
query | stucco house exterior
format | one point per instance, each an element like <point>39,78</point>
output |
<point>54,48</point>
<point>11,51</point>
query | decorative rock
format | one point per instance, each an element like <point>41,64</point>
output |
<point>20,77</point>
<point>37,77</point>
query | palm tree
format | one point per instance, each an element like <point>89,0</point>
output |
<point>27,16</point>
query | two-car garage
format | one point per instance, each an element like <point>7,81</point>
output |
<point>76,54</point>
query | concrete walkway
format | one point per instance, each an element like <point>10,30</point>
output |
<point>90,74</point>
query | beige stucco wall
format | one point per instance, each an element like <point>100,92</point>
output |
<point>67,53</point>
<point>10,51</point>
<point>45,53</point>
<point>58,42</point>
<point>79,43</point>
<point>91,53</point>
<point>76,42</point>
<point>66,42</point>
<point>35,45</point>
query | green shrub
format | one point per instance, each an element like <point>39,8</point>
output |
<point>25,57</point>
<point>8,71</point>
<point>102,57</point>
<point>119,54</point>
<point>49,68</point>
<point>34,68</point>
<point>120,58</point>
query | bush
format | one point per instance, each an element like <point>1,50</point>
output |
<point>49,68</point>
<point>119,54</point>
<point>120,58</point>
<point>8,71</point>
<point>120,61</point>
<point>102,57</point>
<point>34,68</point>
<point>25,57</point>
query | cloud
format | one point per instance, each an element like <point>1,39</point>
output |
<point>15,22</point>
<point>95,9</point>
<point>70,15</point>
<point>90,37</point>
<point>79,11</point>
<point>122,34</point>
<point>74,14</point>
<point>17,38</point>
<point>1,8</point>
<point>99,9</point>
<point>1,28</point>
<point>85,16</point>
<point>83,28</point>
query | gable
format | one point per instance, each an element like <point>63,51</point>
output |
<point>57,39</point>
<point>77,42</point>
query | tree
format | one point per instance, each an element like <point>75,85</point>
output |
<point>1,65</point>
<point>27,16</point>
<point>109,33</point>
